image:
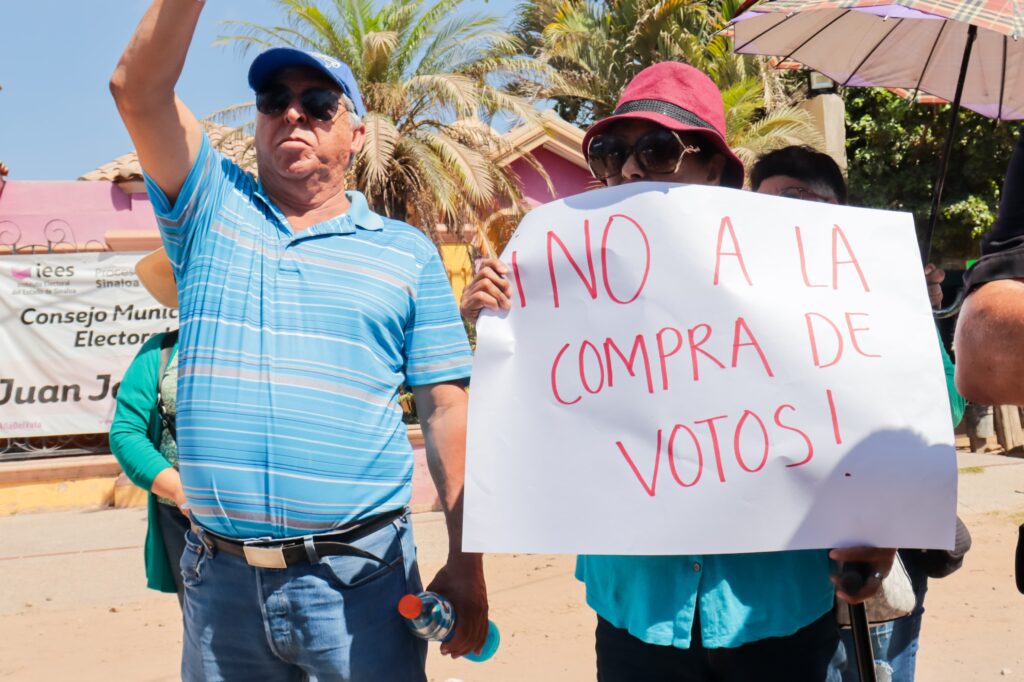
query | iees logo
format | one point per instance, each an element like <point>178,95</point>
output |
<point>43,272</point>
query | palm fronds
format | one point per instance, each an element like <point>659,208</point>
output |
<point>431,75</point>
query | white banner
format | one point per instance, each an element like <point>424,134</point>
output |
<point>71,324</point>
<point>690,370</point>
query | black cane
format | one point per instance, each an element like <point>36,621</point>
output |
<point>854,577</point>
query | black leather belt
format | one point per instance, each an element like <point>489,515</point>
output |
<point>300,550</point>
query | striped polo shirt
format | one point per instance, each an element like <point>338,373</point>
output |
<point>292,349</point>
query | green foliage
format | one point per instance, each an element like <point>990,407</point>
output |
<point>894,151</point>
<point>432,77</point>
<point>753,130</point>
<point>598,46</point>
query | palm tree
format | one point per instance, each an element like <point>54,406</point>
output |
<point>753,129</point>
<point>432,77</point>
<point>597,46</point>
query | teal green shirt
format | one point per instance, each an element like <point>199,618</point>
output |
<point>741,597</point>
<point>134,440</point>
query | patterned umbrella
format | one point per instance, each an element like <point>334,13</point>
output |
<point>969,52</point>
<point>1002,16</point>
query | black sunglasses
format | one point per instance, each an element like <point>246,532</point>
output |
<point>320,103</point>
<point>659,152</point>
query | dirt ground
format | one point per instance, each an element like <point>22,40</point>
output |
<point>73,605</point>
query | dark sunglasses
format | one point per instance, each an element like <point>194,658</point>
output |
<point>659,152</point>
<point>320,103</point>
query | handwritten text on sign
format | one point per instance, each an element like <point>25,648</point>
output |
<point>703,370</point>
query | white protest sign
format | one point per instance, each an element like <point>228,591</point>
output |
<point>690,370</point>
<point>70,324</point>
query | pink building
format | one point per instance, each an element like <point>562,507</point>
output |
<point>107,209</point>
<point>74,216</point>
<point>558,148</point>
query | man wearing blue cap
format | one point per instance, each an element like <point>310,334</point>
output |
<point>302,311</point>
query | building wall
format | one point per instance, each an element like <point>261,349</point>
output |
<point>828,112</point>
<point>99,215</point>
<point>70,212</point>
<point>567,177</point>
<point>459,264</point>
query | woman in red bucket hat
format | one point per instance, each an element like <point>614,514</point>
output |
<point>721,618</point>
<point>669,126</point>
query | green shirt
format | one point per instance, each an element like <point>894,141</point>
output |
<point>134,438</point>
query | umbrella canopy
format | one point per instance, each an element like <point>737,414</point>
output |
<point>917,45</point>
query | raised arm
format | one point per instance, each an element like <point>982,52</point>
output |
<point>166,135</point>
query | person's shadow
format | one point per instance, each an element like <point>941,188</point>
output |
<point>850,496</point>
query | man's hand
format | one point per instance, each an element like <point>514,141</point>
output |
<point>489,289</point>
<point>442,410</point>
<point>462,582</point>
<point>934,276</point>
<point>879,561</point>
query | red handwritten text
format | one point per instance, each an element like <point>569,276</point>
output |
<point>601,365</point>
<point>704,439</point>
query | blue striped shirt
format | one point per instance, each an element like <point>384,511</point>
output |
<point>292,349</point>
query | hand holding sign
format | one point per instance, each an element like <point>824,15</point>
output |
<point>489,290</point>
<point>676,377</point>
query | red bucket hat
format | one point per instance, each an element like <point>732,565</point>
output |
<point>681,98</point>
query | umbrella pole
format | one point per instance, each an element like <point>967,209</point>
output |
<point>954,118</point>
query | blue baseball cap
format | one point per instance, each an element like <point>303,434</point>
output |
<point>276,58</point>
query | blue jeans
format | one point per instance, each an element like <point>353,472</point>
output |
<point>894,643</point>
<point>333,620</point>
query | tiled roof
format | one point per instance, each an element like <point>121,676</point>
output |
<point>236,146</point>
<point>553,133</point>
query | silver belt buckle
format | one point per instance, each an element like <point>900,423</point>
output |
<point>264,557</point>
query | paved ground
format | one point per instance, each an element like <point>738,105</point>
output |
<point>73,605</point>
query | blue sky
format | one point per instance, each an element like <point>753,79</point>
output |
<point>57,120</point>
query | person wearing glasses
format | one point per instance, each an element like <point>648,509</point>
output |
<point>301,314</point>
<point>799,172</point>
<point>721,618</point>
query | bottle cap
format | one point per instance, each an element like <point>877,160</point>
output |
<point>410,606</point>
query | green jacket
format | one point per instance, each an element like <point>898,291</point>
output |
<point>134,438</point>
<point>957,404</point>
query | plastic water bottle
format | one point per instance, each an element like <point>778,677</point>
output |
<point>430,616</point>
